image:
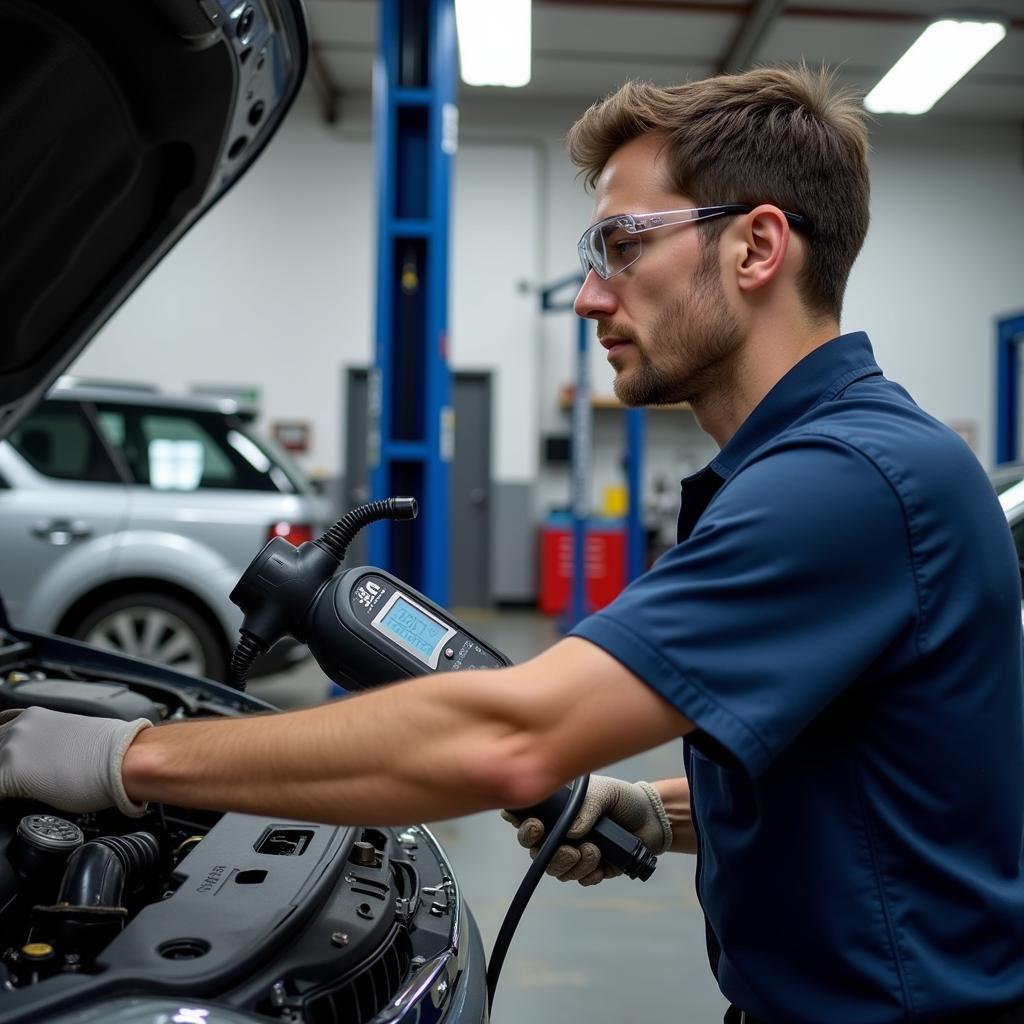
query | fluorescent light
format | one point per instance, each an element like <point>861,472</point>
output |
<point>940,57</point>
<point>494,41</point>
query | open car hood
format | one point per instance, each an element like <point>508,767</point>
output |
<point>121,123</point>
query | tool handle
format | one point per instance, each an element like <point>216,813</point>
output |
<point>617,846</point>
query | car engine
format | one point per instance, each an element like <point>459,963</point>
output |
<point>279,920</point>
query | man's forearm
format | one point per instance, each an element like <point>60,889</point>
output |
<point>675,795</point>
<point>397,754</point>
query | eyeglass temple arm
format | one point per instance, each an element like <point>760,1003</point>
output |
<point>796,220</point>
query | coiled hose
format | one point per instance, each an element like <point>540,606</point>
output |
<point>245,653</point>
<point>337,539</point>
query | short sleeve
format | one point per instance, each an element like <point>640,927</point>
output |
<point>795,582</point>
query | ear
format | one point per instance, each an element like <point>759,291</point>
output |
<point>765,244</point>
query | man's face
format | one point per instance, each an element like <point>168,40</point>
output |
<point>666,322</point>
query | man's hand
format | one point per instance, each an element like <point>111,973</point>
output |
<point>636,806</point>
<point>71,762</point>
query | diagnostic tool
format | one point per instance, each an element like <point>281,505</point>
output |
<point>372,628</point>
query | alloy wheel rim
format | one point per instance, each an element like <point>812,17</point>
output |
<point>151,633</point>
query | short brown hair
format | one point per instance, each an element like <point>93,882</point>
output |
<point>781,135</point>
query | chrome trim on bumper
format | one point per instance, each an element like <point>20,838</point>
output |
<point>440,975</point>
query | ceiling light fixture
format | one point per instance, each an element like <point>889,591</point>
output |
<point>938,59</point>
<point>494,41</point>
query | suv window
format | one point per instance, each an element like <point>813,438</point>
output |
<point>57,439</point>
<point>182,450</point>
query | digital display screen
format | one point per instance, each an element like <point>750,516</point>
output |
<point>418,631</point>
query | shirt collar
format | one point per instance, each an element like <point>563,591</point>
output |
<point>818,377</point>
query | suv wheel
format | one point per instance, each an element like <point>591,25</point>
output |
<point>158,628</point>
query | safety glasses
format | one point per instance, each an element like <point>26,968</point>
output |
<point>611,245</point>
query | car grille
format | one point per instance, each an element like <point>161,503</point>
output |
<point>359,998</point>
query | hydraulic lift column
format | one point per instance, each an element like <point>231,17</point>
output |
<point>410,436</point>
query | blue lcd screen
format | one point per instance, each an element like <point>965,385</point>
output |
<point>417,631</point>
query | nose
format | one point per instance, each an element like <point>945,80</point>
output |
<point>595,300</point>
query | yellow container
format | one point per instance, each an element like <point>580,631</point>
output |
<point>614,501</point>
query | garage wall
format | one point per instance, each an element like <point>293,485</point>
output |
<point>275,289</point>
<point>943,258</point>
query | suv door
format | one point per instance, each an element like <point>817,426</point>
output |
<point>60,514</point>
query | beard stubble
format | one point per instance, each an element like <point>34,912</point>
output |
<point>695,341</point>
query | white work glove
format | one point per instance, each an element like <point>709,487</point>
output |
<point>635,806</point>
<point>71,762</point>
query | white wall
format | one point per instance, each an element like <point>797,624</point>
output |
<point>492,315</point>
<point>944,257</point>
<point>275,287</point>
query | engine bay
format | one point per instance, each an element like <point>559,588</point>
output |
<point>283,920</point>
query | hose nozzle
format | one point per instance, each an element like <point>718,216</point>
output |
<point>404,508</point>
<point>276,590</point>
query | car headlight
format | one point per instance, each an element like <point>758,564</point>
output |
<point>156,1010</point>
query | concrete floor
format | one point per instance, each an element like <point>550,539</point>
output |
<point>618,952</point>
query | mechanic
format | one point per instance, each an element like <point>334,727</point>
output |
<point>837,633</point>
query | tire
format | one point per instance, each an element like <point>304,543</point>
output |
<point>156,627</point>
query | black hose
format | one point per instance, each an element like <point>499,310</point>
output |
<point>97,872</point>
<point>337,539</point>
<point>524,893</point>
<point>245,653</point>
<point>90,909</point>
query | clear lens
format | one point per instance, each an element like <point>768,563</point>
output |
<point>610,246</point>
<point>621,244</point>
<point>591,249</point>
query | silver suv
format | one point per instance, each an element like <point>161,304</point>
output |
<point>127,516</point>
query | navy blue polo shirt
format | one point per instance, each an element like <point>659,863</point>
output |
<point>841,621</point>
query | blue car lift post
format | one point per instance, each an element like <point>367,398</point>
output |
<point>636,548</point>
<point>410,436</point>
<point>1009,338</point>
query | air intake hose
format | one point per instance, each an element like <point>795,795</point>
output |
<point>97,871</point>
<point>90,904</point>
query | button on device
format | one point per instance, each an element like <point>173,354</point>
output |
<point>449,653</point>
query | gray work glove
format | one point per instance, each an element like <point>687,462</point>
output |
<point>71,762</point>
<point>635,806</point>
